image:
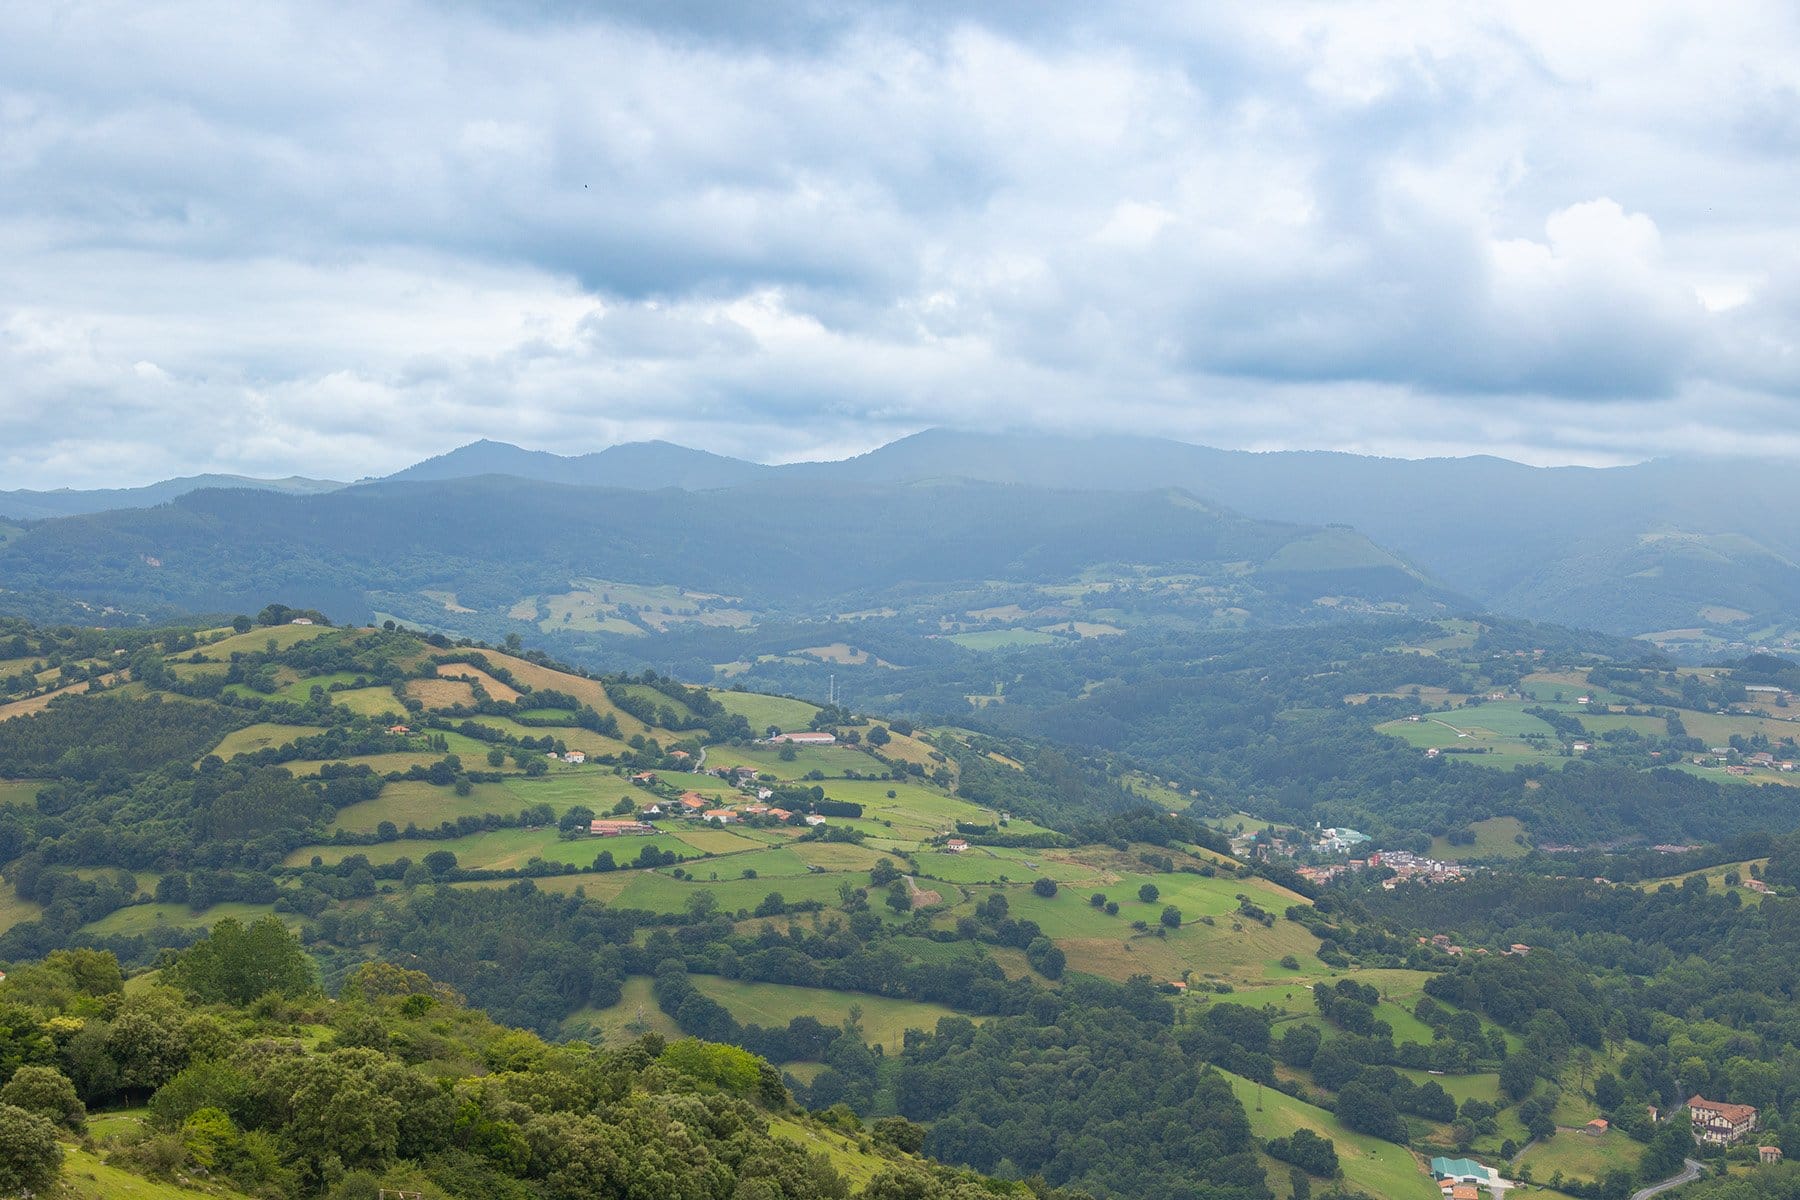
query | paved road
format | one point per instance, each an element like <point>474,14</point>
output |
<point>1690,1172</point>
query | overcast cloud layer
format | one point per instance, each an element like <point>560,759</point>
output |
<point>333,239</point>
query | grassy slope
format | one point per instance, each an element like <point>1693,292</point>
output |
<point>1377,1167</point>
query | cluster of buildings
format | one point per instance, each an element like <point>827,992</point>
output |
<point>1748,764</point>
<point>1403,863</point>
<point>1441,941</point>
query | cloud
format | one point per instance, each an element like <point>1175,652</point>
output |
<point>334,238</point>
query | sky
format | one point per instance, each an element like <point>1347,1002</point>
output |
<point>332,239</point>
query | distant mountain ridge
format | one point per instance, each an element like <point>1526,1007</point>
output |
<point>640,466</point>
<point>1664,546</point>
<point>27,505</point>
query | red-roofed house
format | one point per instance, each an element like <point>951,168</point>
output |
<point>780,814</point>
<point>723,816</point>
<point>956,845</point>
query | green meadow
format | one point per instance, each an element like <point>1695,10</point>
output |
<point>1369,1164</point>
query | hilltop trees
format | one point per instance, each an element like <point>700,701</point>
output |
<point>29,1154</point>
<point>236,965</point>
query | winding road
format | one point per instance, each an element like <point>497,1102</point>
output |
<point>1690,1172</point>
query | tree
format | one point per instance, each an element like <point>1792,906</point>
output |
<point>1044,886</point>
<point>47,1092</point>
<point>30,1158</point>
<point>1171,916</point>
<point>1148,893</point>
<point>879,736</point>
<point>439,861</point>
<point>236,965</point>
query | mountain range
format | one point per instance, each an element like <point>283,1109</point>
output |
<point>1697,551</point>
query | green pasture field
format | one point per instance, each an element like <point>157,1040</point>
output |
<point>1369,1164</point>
<point>1603,723</point>
<point>830,761</point>
<point>1758,778</point>
<point>659,892</point>
<point>496,849</point>
<point>258,639</point>
<point>262,736</point>
<point>710,839</point>
<point>772,862</point>
<point>643,691</point>
<point>1715,879</point>
<point>560,716</point>
<point>572,736</point>
<point>885,1020</point>
<point>974,866</point>
<point>1483,1085</point>
<point>1464,731</point>
<point>1579,1155</point>
<point>852,1162</point>
<point>15,909</point>
<point>472,753</point>
<point>146,918</point>
<point>1546,686</point>
<point>371,702</point>
<point>1493,839</point>
<point>636,1014</point>
<point>1715,729</point>
<point>419,803</point>
<point>1001,639</point>
<point>840,856</point>
<point>187,671</point>
<point>85,1176</point>
<point>22,792</point>
<point>300,691</point>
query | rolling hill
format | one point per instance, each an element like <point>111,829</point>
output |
<point>492,543</point>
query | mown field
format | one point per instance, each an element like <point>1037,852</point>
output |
<point>1376,1167</point>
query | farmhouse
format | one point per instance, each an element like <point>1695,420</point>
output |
<point>723,816</point>
<point>780,814</point>
<point>692,805</point>
<point>575,756</point>
<point>603,827</point>
<point>301,621</point>
<point>1768,1155</point>
<point>1720,1124</point>
<point>644,778</point>
<point>1597,1127</point>
<point>956,845</point>
<point>401,729</point>
<point>805,739</point>
<point>814,819</point>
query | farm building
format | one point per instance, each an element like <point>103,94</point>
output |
<point>812,819</point>
<point>723,816</point>
<point>956,845</point>
<point>814,738</point>
<point>602,827</point>
<point>575,756</point>
<point>1460,1170</point>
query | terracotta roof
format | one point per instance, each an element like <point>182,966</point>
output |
<point>1734,1113</point>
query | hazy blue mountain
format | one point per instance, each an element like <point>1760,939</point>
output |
<point>25,505</point>
<point>789,545</point>
<point>1655,546</point>
<point>635,465</point>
